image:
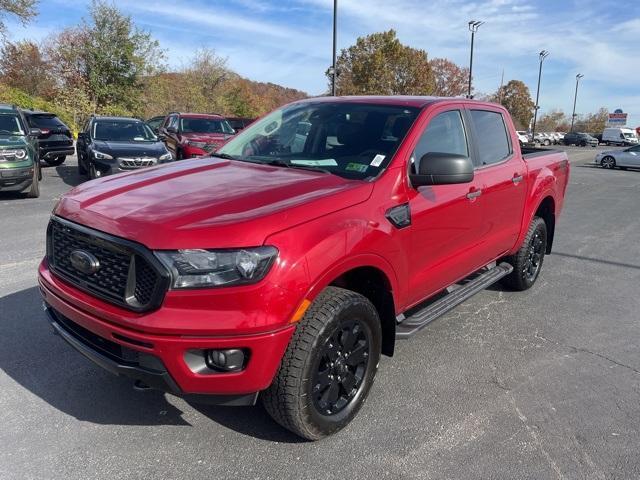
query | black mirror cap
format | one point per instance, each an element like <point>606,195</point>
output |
<point>171,130</point>
<point>443,169</point>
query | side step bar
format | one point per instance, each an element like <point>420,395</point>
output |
<point>422,318</point>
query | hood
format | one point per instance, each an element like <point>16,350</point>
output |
<point>208,202</point>
<point>12,141</point>
<point>128,149</point>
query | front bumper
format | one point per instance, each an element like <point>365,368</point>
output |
<point>166,352</point>
<point>15,179</point>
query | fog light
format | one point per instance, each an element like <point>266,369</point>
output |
<point>229,360</point>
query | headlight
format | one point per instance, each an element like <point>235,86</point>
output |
<point>217,268</point>
<point>21,153</point>
<point>102,156</point>
<point>164,157</point>
<point>196,144</point>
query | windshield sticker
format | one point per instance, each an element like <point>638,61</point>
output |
<point>377,160</point>
<point>329,162</point>
<point>357,167</point>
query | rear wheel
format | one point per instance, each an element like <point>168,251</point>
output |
<point>34,191</point>
<point>527,261</point>
<point>608,162</point>
<point>55,161</point>
<point>329,366</point>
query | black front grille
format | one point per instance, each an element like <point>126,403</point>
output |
<point>127,274</point>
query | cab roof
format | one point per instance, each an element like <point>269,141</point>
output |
<point>393,100</point>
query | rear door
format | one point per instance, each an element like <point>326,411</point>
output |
<point>445,219</point>
<point>629,157</point>
<point>501,175</point>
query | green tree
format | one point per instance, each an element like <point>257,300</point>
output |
<point>379,64</point>
<point>25,10</point>
<point>116,55</point>
<point>515,97</point>
<point>592,122</point>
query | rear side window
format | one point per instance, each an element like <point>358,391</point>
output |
<point>492,139</point>
<point>45,121</point>
<point>444,134</point>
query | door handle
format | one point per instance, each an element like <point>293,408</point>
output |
<point>517,179</point>
<point>474,194</point>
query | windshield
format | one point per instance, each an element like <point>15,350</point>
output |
<point>205,125</point>
<point>122,131</point>
<point>629,135</point>
<point>10,125</point>
<point>352,140</point>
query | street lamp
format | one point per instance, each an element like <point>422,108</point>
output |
<point>474,25</point>
<point>335,36</point>
<point>575,97</point>
<point>543,54</point>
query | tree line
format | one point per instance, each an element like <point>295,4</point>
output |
<point>107,65</point>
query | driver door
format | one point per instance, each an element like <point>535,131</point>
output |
<point>446,220</point>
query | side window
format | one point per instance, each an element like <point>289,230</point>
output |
<point>492,139</point>
<point>444,134</point>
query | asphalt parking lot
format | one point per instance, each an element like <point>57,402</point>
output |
<point>539,384</point>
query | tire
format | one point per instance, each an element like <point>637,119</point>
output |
<point>54,162</point>
<point>82,170</point>
<point>527,261</point>
<point>608,162</point>
<point>93,174</point>
<point>319,365</point>
<point>179,155</point>
<point>34,191</point>
<point>546,143</point>
<point>583,144</point>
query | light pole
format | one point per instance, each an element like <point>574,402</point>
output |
<point>474,25</point>
<point>335,37</point>
<point>543,54</point>
<point>575,97</point>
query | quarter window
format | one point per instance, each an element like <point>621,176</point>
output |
<point>444,134</point>
<point>492,139</point>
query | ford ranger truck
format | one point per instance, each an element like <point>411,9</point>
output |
<point>286,263</point>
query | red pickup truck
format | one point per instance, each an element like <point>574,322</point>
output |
<point>285,264</point>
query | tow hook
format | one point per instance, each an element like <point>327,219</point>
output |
<point>140,386</point>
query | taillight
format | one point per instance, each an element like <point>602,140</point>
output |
<point>45,131</point>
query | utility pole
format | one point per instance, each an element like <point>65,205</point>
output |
<point>575,97</point>
<point>500,89</point>
<point>335,38</point>
<point>543,54</point>
<point>474,25</point>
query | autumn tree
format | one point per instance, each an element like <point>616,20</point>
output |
<point>23,9</point>
<point>450,79</point>
<point>379,64</point>
<point>553,121</point>
<point>515,97</point>
<point>592,122</point>
<point>23,66</point>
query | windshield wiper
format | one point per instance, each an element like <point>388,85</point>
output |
<point>278,162</point>
<point>226,156</point>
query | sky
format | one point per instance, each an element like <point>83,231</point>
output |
<point>289,41</point>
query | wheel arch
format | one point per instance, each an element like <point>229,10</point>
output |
<point>547,211</point>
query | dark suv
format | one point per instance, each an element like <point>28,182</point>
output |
<point>55,141</point>
<point>109,145</point>
<point>580,139</point>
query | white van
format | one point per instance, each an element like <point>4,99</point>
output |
<point>619,136</point>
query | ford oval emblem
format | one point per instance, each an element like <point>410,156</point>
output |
<point>84,262</point>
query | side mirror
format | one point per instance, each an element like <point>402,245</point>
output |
<point>437,168</point>
<point>171,130</point>
<point>35,132</point>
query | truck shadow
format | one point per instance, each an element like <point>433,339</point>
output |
<point>43,364</point>
<point>69,175</point>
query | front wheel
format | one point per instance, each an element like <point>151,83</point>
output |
<point>329,366</point>
<point>608,162</point>
<point>527,261</point>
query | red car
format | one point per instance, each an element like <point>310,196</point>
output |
<point>189,135</point>
<point>286,264</point>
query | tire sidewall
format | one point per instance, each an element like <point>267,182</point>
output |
<point>542,228</point>
<point>366,313</point>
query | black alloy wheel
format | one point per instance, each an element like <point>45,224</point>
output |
<point>535,252</point>
<point>341,367</point>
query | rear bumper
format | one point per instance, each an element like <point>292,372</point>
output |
<point>160,358</point>
<point>47,153</point>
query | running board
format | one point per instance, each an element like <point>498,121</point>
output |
<point>422,318</point>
